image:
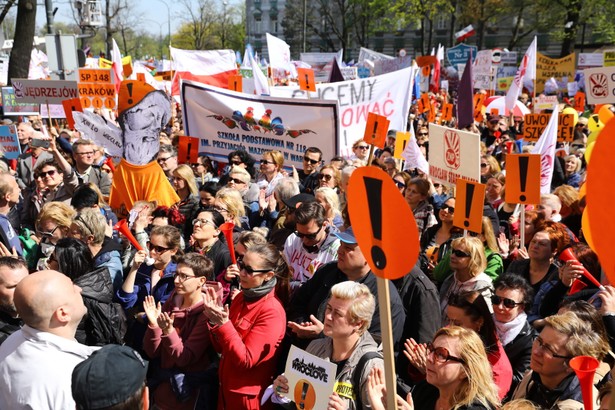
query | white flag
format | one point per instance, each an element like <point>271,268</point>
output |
<point>261,86</point>
<point>413,155</point>
<point>526,70</point>
<point>546,148</point>
<point>117,68</point>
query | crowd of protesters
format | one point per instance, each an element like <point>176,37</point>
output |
<point>482,321</point>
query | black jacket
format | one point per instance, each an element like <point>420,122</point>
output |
<point>311,299</point>
<point>519,353</point>
<point>8,325</point>
<point>105,321</point>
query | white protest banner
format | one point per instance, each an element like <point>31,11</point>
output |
<point>9,144</point>
<point>10,105</point>
<point>389,66</point>
<point>4,70</point>
<point>453,154</point>
<point>44,91</point>
<point>55,111</point>
<point>587,60</point>
<point>95,127</point>
<point>482,69</point>
<point>387,94</point>
<point>311,380</point>
<point>321,63</point>
<point>544,102</point>
<point>600,85</point>
<point>226,121</point>
<point>365,54</point>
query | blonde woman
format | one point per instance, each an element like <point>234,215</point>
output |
<point>230,204</point>
<point>459,376</point>
<point>270,172</point>
<point>184,183</point>
<point>328,198</point>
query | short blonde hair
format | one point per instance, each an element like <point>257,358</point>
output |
<point>241,173</point>
<point>91,222</point>
<point>231,198</point>
<point>577,161</point>
<point>478,261</point>
<point>184,172</point>
<point>363,302</point>
<point>277,157</point>
<point>331,198</point>
<point>58,212</point>
<point>582,339</point>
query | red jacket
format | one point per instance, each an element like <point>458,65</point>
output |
<point>249,342</point>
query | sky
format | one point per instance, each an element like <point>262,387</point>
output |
<point>154,14</point>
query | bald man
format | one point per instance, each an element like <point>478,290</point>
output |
<point>37,361</point>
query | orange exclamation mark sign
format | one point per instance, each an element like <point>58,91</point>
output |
<point>469,205</point>
<point>522,179</point>
<point>468,208</point>
<point>374,203</point>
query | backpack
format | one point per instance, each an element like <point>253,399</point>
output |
<point>358,371</point>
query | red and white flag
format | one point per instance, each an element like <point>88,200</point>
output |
<point>545,146</point>
<point>526,70</point>
<point>464,33</point>
<point>413,155</point>
<point>212,67</point>
<point>261,85</point>
<point>117,68</point>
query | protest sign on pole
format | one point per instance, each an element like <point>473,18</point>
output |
<point>311,380</point>
<point>469,205</point>
<point>482,69</point>
<point>9,144</point>
<point>387,94</point>
<point>460,54</point>
<point>11,106</point>
<point>535,124</point>
<point>600,85</point>
<point>226,121</point>
<point>453,154</point>
<point>562,69</point>
<point>44,91</point>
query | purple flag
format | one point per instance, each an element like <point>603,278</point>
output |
<point>336,74</point>
<point>465,100</point>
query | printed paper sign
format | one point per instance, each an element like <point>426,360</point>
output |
<point>453,154</point>
<point>311,380</point>
<point>600,85</point>
<point>44,91</point>
<point>226,121</point>
<point>11,106</point>
<point>558,68</point>
<point>482,69</point>
<point>89,75</point>
<point>9,144</point>
<point>535,124</point>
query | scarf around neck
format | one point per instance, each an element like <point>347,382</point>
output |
<point>260,291</point>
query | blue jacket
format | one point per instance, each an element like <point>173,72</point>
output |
<point>142,287</point>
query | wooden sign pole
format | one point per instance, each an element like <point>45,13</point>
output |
<point>384,302</point>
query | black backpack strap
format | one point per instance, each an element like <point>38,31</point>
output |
<point>358,371</point>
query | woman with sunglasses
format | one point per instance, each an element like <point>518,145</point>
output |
<point>229,203</point>
<point>177,339</point>
<point>203,170</point>
<point>184,183</point>
<point>248,335</point>
<point>458,375</point>
<point>239,158</point>
<point>360,150</point>
<point>270,172</point>
<point>154,280</point>
<point>347,317</point>
<point>53,224</point>
<point>436,241</point>
<point>329,177</point>
<point>417,196</point>
<point>402,179</point>
<point>329,200</point>
<point>207,240</point>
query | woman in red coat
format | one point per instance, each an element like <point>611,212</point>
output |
<point>248,336</point>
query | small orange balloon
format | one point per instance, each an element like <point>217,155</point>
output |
<point>606,113</point>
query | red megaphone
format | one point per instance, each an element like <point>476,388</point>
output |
<point>122,227</point>
<point>566,256</point>
<point>109,163</point>
<point>227,230</point>
<point>585,367</point>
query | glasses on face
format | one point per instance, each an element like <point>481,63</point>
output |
<point>182,277</point>
<point>548,349</point>
<point>326,177</point>
<point>248,269</point>
<point>203,222</point>
<point>460,254</point>
<point>422,134</point>
<point>508,303</point>
<point>362,147</point>
<point>399,184</point>
<point>196,165</point>
<point>220,209</point>
<point>483,165</point>
<point>436,185</point>
<point>311,161</point>
<point>310,236</point>
<point>47,234</point>
<point>44,174</point>
<point>235,181</point>
<point>157,248</point>
<point>236,162</point>
<point>84,154</point>
<point>265,162</point>
<point>441,354</point>
<point>449,209</point>
<point>163,160</point>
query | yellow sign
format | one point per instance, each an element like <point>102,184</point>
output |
<point>557,68</point>
<point>609,58</point>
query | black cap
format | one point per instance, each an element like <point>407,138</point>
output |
<point>495,118</point>
<point>299,198</point>
<point>108,377</point>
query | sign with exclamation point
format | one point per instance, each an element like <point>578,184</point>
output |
<point>376,130</point>
<point>469,205</point>
<point>235,83</point>
<point>188,150</point>
<point>74,104</point>
<point>522,179</point>
<point>401,141</point>
<point>382,222</point>
<point>306,79</point>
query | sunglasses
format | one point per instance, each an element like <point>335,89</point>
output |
<point>196,165</point>
<point>236,162</point>
<point>441,354</point>
<point>310,236</point>
<point>235,181</point>
<point>46,173</point>
<point>265,162</point>
<point>249,270</point>
<point>422,134</point>
<point>362,147</point>
<point>311,161</point>
<point>326,177</point>
<point>460,254</point>
<point>162,160</point>
<point>47,234</point>
<point>399,184</point>
<point>158,249</point>
<point>436,185</point>
<point>483,165</point>
<point>449,209</point>
<point>508,303</point>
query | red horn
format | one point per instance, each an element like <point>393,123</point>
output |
<point>109,163</point>
<point>585,367</point>
<point>227,230</point>
<point>567,255</point>
<point>122,227</point>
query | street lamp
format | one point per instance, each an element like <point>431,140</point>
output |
<point>224,4</point>
<point>168,20</point>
